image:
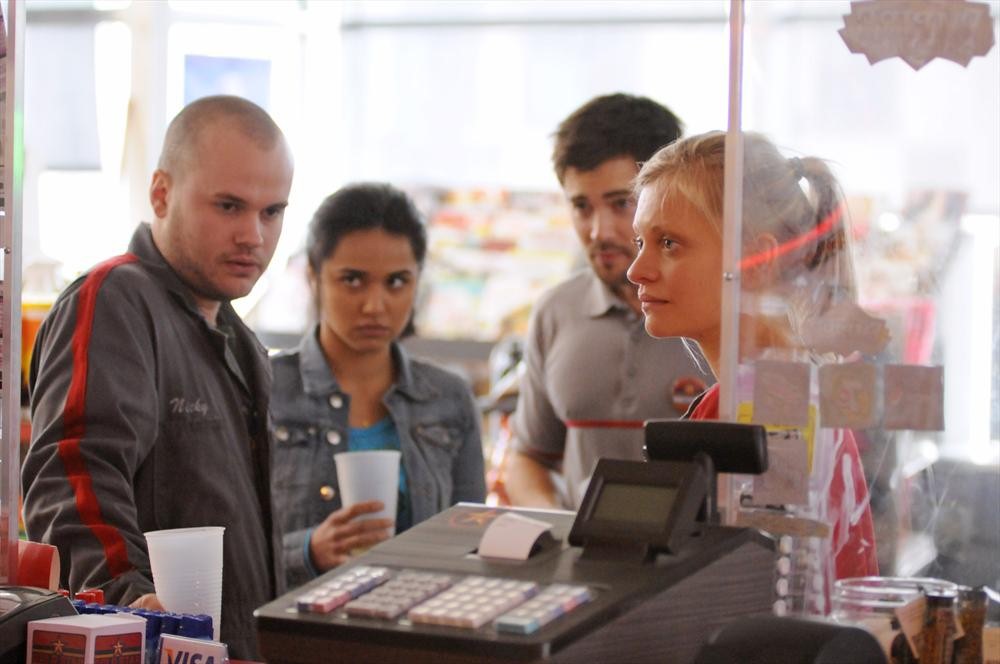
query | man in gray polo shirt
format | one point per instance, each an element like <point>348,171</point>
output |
<point>593,374</point>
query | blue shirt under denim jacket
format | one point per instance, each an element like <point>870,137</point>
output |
<point>435,416</point>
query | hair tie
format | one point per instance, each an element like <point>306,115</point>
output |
<point>797,168</point>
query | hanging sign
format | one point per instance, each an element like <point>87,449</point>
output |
<point>844,329</point>
<point>918,30</point>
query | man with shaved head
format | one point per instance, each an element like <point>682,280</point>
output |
<point>149,395</point>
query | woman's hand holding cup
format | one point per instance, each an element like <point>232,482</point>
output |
<point>343,534</point>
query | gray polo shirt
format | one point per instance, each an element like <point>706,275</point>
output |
<point>593,375</point>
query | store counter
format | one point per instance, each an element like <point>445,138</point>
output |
<point>608,585</point>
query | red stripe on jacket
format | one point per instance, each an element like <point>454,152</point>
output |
<point>604,424</point>
<point>75,423</point>
<point>856,553</point>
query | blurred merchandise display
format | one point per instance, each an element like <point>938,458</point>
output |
<point>915,262</point>
<point>505,368</point>
<point>490,254</point>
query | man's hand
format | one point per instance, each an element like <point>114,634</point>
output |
<point>342,532</point>
<point>148,601</point>
<point>529,484</point>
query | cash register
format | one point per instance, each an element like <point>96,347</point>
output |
<point>19,605</point>
<point>641,573</point>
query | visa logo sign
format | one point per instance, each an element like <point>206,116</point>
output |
<point>185,657</point>
<point>182,650</point>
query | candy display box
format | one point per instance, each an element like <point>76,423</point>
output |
<point>87,639</point>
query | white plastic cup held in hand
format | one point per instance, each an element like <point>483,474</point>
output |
<point>187,570</point>
<point>369,475</point>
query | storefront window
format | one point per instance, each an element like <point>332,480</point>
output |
<point>457,102</point>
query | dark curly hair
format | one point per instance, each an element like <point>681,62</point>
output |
<point>612,126</point>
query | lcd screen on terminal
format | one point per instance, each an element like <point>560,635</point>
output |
<point>636,503</point>
<point>653,505</point>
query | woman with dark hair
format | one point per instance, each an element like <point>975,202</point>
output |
<point>350,385</point>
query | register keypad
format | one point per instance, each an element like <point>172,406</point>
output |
<point>473,602</point>
<point>341,589</point>
<point>512,606</point>
<point>556,600</point>
<point>403,592</point>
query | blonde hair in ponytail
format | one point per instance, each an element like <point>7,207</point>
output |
<point>796,201</point>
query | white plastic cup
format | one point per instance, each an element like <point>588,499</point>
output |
<point>369,475</point>
<point>187,570</point>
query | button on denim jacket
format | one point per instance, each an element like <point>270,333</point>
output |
<point>439,435</point>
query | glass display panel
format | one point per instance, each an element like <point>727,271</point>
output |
<point>647,505</point>
<point>867,278</point>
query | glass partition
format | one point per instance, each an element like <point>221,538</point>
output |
<point>11,174</point>
<point>864,328</point>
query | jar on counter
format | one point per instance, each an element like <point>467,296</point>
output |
<point>938,635</point>
<point>871,602</point>
<point>972,616</point>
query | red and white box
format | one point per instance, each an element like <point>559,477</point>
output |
<point>117,638</point>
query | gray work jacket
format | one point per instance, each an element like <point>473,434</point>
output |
<point>144,419</point>
<point>439,435</point>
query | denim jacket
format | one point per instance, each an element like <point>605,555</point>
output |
<point>439,434</point>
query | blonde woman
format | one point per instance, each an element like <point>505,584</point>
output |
<point>796,271</point>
